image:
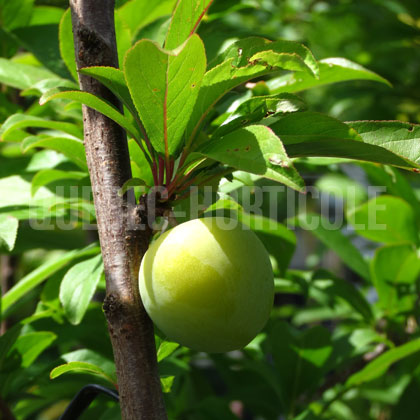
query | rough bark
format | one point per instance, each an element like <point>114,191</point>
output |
<point>122,245</point>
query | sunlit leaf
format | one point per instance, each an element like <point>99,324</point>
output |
<point>8,231</point>
<point>185,20</point>
<point>78,286</point>
<point>331,70</point>
<point>94,358</point>
<point>164,86</point>
<point>19,121</point>
<point>395,270</point>
<point>47,176</point>
<point>138,13</point>
<point>68,146</point>
<point>41,273</point>
<point>29,346</point>
<point>381,364</point>
<point>96,103</point>
<point>258,108</point>
<point>306,134</point>
<point>236,65</point>
<point>21,76</point>
<point>67,43</point>
<point>400,138</point>
<point>255,149</point>
<point>80,367</point>
<point>165,349</point>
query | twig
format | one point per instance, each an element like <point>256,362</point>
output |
<point>123,240</point>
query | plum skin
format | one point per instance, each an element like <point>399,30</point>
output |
<point>207,287</point>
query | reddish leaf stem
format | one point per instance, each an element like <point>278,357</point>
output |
<point>167,170</point>
<point>155,174</point>
<point>171,171</point>
<point>161,171</point>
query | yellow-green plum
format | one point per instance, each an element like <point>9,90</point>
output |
<point>208,284</point>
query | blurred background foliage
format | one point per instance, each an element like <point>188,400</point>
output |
<point>382,35</point>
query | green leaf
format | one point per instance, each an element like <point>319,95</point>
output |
<point>400,138</point>
<point>283,60</point>
<point>36,277</point>
<point>114,80</point>
<point>381,364</point>
<point>123,36</point>
<point>255,149</point>
<point>336,287</point>
<point>331,70</point>
<point>131,183</point>
<point>164,86</point>
<point>334,239</point>
<point>342,187</point>
<point>236,66</point>
<point>166,383</point>
<point>66,42</point>
<point>42,41</point>
<point>19,121</point>
<point>94,358</point>
<point>185,20</point>
<point>299,357</point>
<point>80,367</point>
<point>289,55</point>
<point>8,231</point>
<point>47,176</point>
<point>31,345</point>
<point>394,271</point>
<point>43,15</point>
<point>7,340</point>
<point>386,219</point>
<point>45,85</point>
<point>307,415</point>
<point>96,103</point>
<point>68,146</point>
<point>258,108</point>
<point>395,183</point>
<point>271,104</point>
<point>78,286</point>
<point>17,200</point>
<point>15,14</point>
<point>309,126</point>
<point>21,76</point>
<point>139,165</point>
<point>138,13</point>
<point>307,134</point>
<point>166,348</point>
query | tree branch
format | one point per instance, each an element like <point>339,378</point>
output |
<point>122,244</point>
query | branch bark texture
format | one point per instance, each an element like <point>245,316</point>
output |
<point>122,245</point>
